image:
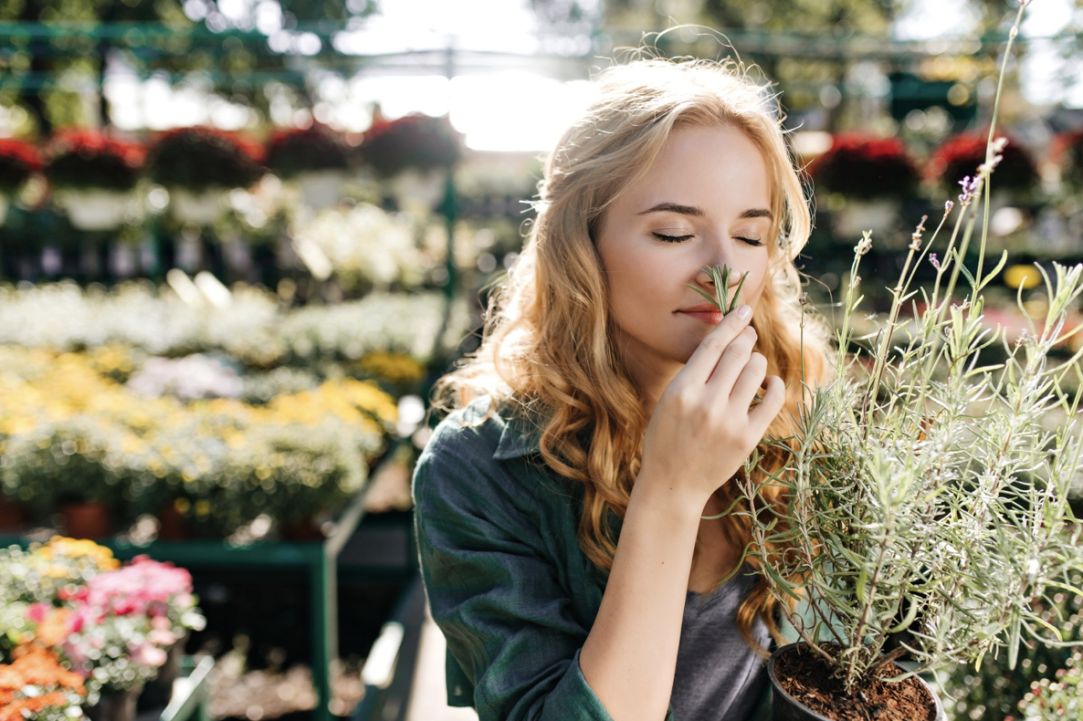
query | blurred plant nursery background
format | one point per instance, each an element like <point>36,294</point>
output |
<point>239,240</point>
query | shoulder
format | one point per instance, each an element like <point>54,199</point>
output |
<point>468,457</point>
<point>474,429</point>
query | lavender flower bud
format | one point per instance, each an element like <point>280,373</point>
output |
<point>933,259</point>
<point>948,205</point>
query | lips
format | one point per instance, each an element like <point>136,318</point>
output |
<point>701,308</point>
<point>705,312</point>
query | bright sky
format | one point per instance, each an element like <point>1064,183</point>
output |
<point>503,109</point>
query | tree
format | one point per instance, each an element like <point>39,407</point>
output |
<point>53,45</point>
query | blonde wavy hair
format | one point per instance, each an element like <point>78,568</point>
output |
<point>548,346</point>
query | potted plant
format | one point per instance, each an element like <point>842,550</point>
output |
<point>18,161</point>
<point>65,466</point>
<point>94,176</point>
<point>866,178</point>
<point>157,599</point>
<point>413,153</point>
<point>926,498</point>
<point>921,512</point>
<point>959,155</point>
<point>316,157</point>
<point>35,685</point>
<point>197,165</point>
<point>113,626</point>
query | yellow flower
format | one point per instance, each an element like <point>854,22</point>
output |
<point>395,367</point>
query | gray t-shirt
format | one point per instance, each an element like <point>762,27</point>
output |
<point>719,677</point>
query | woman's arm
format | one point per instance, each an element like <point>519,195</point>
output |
<point>700,434</point>
<point>499,585</point>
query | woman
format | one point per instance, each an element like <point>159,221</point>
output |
<point>571,512</point>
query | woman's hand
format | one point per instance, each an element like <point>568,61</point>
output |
<point>704,427</point>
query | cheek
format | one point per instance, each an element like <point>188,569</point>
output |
<point>753,291</point>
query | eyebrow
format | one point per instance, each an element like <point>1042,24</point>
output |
<point>698,212</point>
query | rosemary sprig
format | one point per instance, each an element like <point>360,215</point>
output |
<point>720,276</point>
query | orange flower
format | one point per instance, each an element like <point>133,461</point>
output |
<point>37,666</point>
<point>56,627</point>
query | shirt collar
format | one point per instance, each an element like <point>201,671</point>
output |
<point>520,437</point>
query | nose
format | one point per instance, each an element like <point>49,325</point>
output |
<point>706,279</point>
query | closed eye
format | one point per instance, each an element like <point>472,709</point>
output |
<point>671,238</point>
<point>751,241</point>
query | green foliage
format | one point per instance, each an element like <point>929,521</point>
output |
<point>56,463</point>
<point>925,493</point>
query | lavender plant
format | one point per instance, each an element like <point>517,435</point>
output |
<point>927,488</point>
<point>720,278</point>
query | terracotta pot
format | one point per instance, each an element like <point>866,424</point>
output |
<point>785,707</point>
<point>87,519</point>
<point>115,706</point>
<point>12,516</point>
<point>173,526</point>
<point>304,530</point>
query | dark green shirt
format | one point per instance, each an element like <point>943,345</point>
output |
<point>507,582</point>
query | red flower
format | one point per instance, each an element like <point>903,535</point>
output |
<point>18,160</point>
<point>200,157</point>
<point>863,166</point>
<point>413,141</point>
<point>961,155</point>
<point>92,143</point>
<point>80,158</point>
<point>296,150</point>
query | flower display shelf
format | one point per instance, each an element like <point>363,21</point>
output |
<point>318,559</point>
<point>191,693</point>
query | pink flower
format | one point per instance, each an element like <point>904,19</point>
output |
<point>161,638</point>
<point>148,655</point>
<point>37,612</point>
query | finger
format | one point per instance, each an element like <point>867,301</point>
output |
<point>733,361</point>
<point>704,359</point>
<point>750,380</point>
<point>772,401</point>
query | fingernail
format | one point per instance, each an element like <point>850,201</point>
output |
<point>744,312</point>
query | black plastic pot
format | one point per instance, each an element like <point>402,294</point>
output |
<point>785,707</point>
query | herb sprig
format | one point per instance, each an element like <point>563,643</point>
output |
<point>720,276</point>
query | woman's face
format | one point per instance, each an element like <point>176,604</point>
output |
<point>704,202</point>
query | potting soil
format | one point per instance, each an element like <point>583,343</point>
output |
<point>808,680</point>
